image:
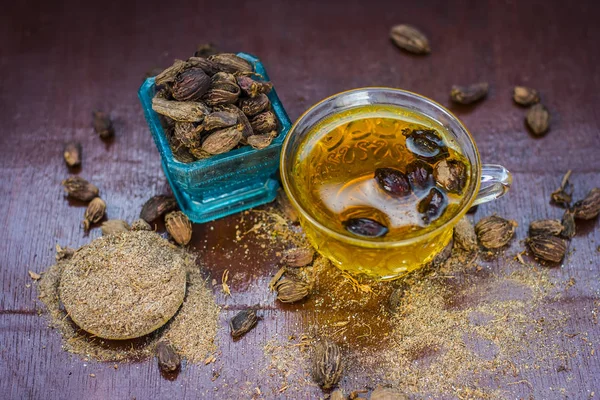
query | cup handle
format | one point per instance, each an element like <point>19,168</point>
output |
<point>495,182</point>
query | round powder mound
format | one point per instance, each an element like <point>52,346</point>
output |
<point>125,285</point>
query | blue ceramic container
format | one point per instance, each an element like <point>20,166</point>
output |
<point>225,183</point>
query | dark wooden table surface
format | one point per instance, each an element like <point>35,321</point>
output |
<point>60,60</point>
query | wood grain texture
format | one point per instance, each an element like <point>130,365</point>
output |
<point>61,61</point>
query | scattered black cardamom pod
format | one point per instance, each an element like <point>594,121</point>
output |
<point>190,85</point>
<point>568,223</point>
<point>179,227</point>
<point>419,174</point>
<point>72,154</point>
<point>547,247</point>
<point>113,226</point>
<point>156,206</point>
<point>465,236</point>
<point>432,205</point>
<point>562,196</point>
<point>451,175</point>
<point>94,212</point>
<point>103,125</point>
<point>494,232</point>
<point>365,227</point>
<point>409,38</point>
<point>168,359</point>
<point>551,227</point>
<point>525,96</point>
<point>298,257</point>
<point>589,207</point>
<point>426,144</point>
<point>327,365</point>
<point>242,323</point>
<point>538,119</point>
<point>291,290</point>
<point>393,181</point>
<point>469,94</point>
<point>80,189</point>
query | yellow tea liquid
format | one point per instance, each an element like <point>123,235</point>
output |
<point>334,179</point>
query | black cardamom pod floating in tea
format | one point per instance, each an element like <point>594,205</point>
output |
<point>426,144</point>
<point>168,359</point>
<point>393,181</point>
<point>548,247</point>
<point>451,175</point>
<point>494,232</point>
<point>420,174</point>
<point>525,96</point>
<point>327,365</point>
<point>538,119</point>
<point>365,227</point>
<point>469,94</point>
<point>409,38</point>
<point>190,85</point>
<point>80,189</point>
<point>432,205</point>
<point>589,207</point>
<point>242,323</point>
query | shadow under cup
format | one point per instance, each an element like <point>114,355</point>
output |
<point>379,258</point>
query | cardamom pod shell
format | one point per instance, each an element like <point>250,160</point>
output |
<point>494,232</point>
<point>140,225</point>
<point>103,125</point>
<point>327,365</point>
<point>72,154</point>
<point>222,141</point>
<point>409,38</point>
<point>80,189</point>
<point>551,227</point>
<point>229,62</point>
<point>464,235</point>
<point>568,223</point>
<point>253,88</point>
<point>254,105</point>
<point>525,96</point>
<point>179,227</point>
<point>184,111</point>
<point>191,85</point>
<point>469,94</point>
<point>589,207</point>
<point>156,206</point>
<point>261,141</point>
<point>242,323</point>
<point>547,247</point>
<point>168,359</point>
<point>187,133</point>
<point>93,213</point>
<point>218,120</point>
<point>451,175</point>
<point>298,257</point>
<point>538,119</point>
<point>290,290</point>
<point>113,226</point>
<point>205,65</point>
<point>169,74</point>
<point>264,122</point>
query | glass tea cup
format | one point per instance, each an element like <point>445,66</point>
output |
<point>381,258</point>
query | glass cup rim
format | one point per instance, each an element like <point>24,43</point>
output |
<point>372,243</point>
